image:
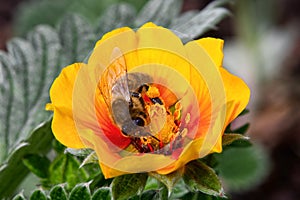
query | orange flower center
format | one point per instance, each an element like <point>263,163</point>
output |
<point>163,121</point>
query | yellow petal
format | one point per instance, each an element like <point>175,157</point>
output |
<point>210,91</point>
<point>49,107</point>
<point>112,34</point>
<point>160,46</point>
<point>109,172</point>
<point>237,95</point>
<point>214,48</point>
<point>61,92</point>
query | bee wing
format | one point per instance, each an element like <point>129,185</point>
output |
<point>114,82</point>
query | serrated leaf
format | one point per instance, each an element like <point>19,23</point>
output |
<point>116,16</point>
<point>229,138</point>
<point>29,68</point>
<point>13,171</point>
<point>160,12</point>
<point>22,69</point>
<point>19,197</point>
<point>98,180</point>
<point>92,158</point>
<point>200,196</point>
<point>149,194</point>
<point>102,193</point>
<point>128,185</point>
<point>204,21</point>
<point>38,195</point>
<point>80,191</point>
<point>58,193</point>
<point>200,177</point>
<point>76,37</point>
<point>169,180</point>
<point>79,152</point>
<point>241,168</point>
<point>159,194</point>
<point>183,18</point>
<point>179,190</point>
<point>152,184</point>
<point>65,168</point>
<point>6,99</point>
<point>37,164</point>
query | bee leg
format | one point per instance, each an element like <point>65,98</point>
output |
<point>137,144</point>
<point>156,100</point>
<point>142,148</point>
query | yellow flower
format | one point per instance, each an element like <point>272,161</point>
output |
<point>146,102</point>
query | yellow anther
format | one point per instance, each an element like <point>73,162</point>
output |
<point>187,118</point>
<point>178,106</point>
<point>184,132</point>
<point>153,92</point>
<point>176,114</point>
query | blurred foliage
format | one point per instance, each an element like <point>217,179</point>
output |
<point>30,66</point>
<point>35,12</point>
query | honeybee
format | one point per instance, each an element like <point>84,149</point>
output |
<point>123,93</point>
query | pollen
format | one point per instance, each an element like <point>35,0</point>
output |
<point>153,92</point>
<point>165,122</point>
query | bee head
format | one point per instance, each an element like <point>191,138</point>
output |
<point>138,121</point>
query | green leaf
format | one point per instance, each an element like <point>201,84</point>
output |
<point>6,99</point>
<point>128,185</point>
<point>160,12</point>
<point>38,195</point>
<point>65,168</point>
<point>13,171</point>
<point>158,194</point>
<point>76,37</point>
<point>116,16</point>
<point>169,180</point>
<point>183,18</point>
<point>102,193</point>
<point>92,158</point>
<point>163,193</point>
<point>200,177</point>
<point>79,152</point>
<point>149,194</point>
<point>241,168</point>
<point>29,68</point>
<point>80,191</point>
<point>200,196</point>
<point>19,197</point>
<point>152,184</point>
<point>58,193</point>
<point>21,67</point>
<point>229,138</point>
<point>37,164</point>
<point>204,21</point>
<point>47,47</point>
<point>179,190</point>
<point>98,180</point>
